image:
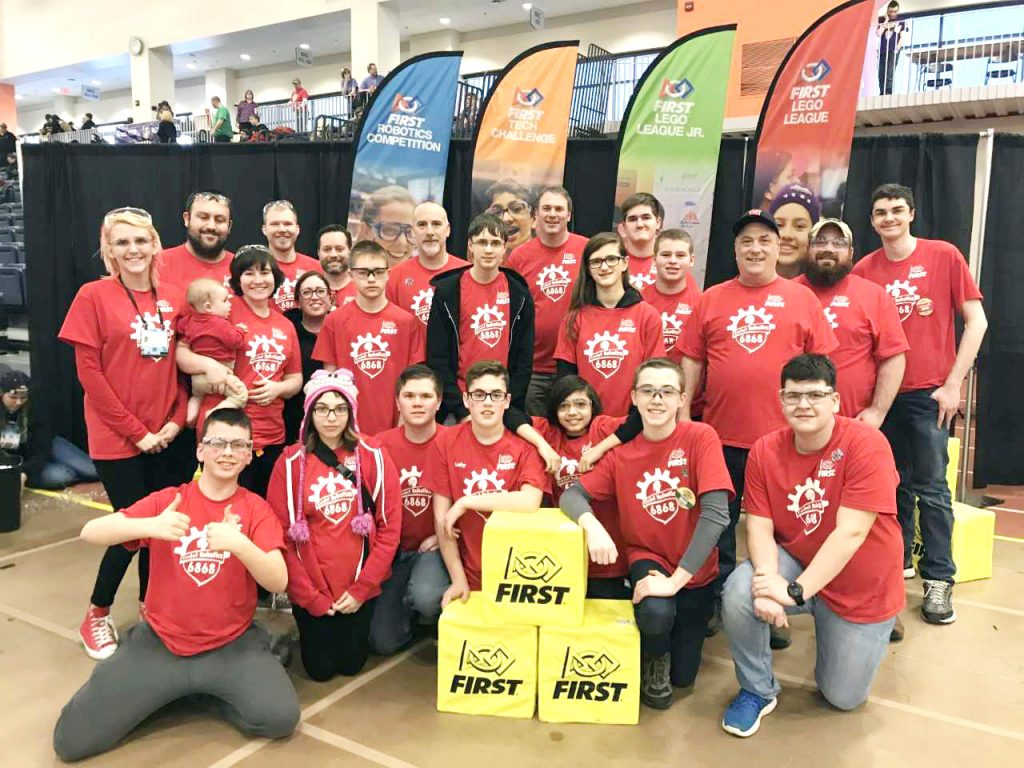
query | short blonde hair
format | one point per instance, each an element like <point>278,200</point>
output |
<point>201,290</point>
<point>132,219</point>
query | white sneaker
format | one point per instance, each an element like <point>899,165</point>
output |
<point>909,572</point>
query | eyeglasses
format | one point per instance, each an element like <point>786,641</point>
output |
<point>323,411</point>
<point>213,197</point>
<point>141,212</point>
<point>607,261</point>
<point>392,230</point>
<point>365,274</point>
<point>579,405</point>
<point>494,245</point>
<point>479,396</point>
<point>814,397</point>
<point>650,392</point>
<point>220,445</point>
<point>278,204</point>
<point>835,242</point>
<point>309,293</point>
<point>515,208</point>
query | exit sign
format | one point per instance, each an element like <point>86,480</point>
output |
<point>537,17</point>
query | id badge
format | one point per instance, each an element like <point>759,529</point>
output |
<point>154,343</point>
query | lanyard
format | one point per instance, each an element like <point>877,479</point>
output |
<point>135,304</point>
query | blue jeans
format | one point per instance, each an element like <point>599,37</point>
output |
<point>68,465</point>
<point>417,583</point>
<point>848,654</point>
<point>921,452</point>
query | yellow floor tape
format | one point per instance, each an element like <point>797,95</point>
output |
<point>74,498</point>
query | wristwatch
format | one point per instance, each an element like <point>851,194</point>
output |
<point>795,591</point>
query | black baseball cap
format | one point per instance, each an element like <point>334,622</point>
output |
<point>13,381</point>
<point>754,216</point>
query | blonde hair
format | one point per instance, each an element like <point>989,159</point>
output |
<point>201,290</point>
<point>134,220</point>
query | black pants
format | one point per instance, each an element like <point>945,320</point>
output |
<point>333,645</point>
<point>675,625</point>
<point>886,69</point>
<point>127,481</point>
<point>256,476</point>
<point>616,588</point>
<point>736,463</point>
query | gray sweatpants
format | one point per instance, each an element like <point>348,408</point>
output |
<point>143,676</point>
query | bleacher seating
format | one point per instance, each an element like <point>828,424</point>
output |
<point>12,257</point>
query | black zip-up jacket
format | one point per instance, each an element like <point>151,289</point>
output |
<point>443,339</point>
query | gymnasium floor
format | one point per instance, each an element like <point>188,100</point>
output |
<point>951,696</point>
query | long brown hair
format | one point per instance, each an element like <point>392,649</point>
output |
<point>584,289</point>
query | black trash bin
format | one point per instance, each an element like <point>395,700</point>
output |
<point>10,493</point>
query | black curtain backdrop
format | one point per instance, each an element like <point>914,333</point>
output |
<point>68,188</point>
<point>998,456</point>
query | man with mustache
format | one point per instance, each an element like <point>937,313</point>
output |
<point>207,219</point>
<point>333,248</point>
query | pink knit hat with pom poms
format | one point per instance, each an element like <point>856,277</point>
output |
<point>342,382</point>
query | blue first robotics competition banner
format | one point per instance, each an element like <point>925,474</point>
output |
<point>402,153</point>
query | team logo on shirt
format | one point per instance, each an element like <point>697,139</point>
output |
<point>415,498</point>
<point>484,481</point>
<point>656,492</point>
<point>370,353</point>
<point>917,272</point>
<point>285,296</point>
<point>265,354</point>
<point>751,327</point>
<point>567,473</point>
<point>832,317</point>
<point>332,496</point>
<point>554,281</point>
<point>671,327</point>
<point>605,353</point>
<point>641,281</point>
<point>905,296</point>
<point>808,504</point>
<point>421,304</point>
<point>585,674</point>
<point>488,324</point>
<point>197,559</point>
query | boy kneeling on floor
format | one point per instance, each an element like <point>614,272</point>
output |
<point>210,543</point>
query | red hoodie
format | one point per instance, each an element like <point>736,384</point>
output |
<point>334,560</point>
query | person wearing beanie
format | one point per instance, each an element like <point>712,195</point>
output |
<point>339,501</point>
<point>795,209</point>
<point>48,464</point>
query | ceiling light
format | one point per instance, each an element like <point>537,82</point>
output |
<point>304,46</point>
<point>244,56</point>
<point>190,65</point>
<point>445,20</point>
<point>97,82</point>
<point>18,97</point>
<point>55,90</point>
<point>527,6</point>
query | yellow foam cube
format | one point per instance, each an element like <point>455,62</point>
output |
<point>485,667</point>
<point>591,673</point>
<point>535,568</point>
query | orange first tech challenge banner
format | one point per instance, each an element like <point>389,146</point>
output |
<point>520,142</point>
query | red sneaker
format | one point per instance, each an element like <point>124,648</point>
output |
<point>98,633</point>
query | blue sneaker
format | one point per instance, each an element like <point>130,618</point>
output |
<point>743,717</point>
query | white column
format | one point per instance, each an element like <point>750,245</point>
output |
<point>152,81</point>
<point>445,40</point>
<point>375,37</point>
<point>221,82</point>
<point>64,107</point>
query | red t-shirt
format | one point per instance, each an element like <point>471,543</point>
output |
<point>653,483</point>
<point>210,335</point>
<point>550,273</point>
<point>179,267</point>
<point>484,321</point>
<point>936,271</point>
<point>610,345</point>
<point>409,285</point>
<point>271,351</point>
<point>642,272</point>
<point>867,326</point>
<point>103,318</point>
<point>284,297</point>
<point>410,459</point>
<point>198,599</point>
<point>460,466</point>
<point>802,494</point>
<point>675,309</point>
<point>343,296</point>
<point>376,348</point>
<point>744,336</point>
<point>571,449</point>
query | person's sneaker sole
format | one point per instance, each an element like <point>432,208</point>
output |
<point>897,632</point>
<point>769,708</point>
<point>909,573</point>
<point>97,655</point>
<point>933,619</point>
<point>661,702</point>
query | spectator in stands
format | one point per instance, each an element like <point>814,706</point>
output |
<point>372,80</point>
<point>299,94</point>
<point>49,464</point>
<point>10,169</point>
<point>8,141</point>
<point>795,209</point>
<point>313,304</point>
<point>512,202</point>
<point>88,123</point>
<point>890,32</point>
<point>334,246</point>
<point>349,86</point>
<point>221,121</point>
<point>207,220</point>
<point>167,133</point>
<point>388,221</point>
<point>253,129</point>
<point>466,120</point>
<point>245,109</point>
<point>122,330</point>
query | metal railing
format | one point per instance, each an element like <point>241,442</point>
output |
<point>964,48</point>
